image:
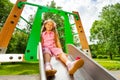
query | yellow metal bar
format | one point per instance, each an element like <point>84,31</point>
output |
<point>9,26</point>
<point>81,33</point>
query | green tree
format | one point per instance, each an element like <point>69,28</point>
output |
<point>107,30</point>
<point>5,8</point>
<point>58,19</point>
<point>97,49</point>
<point>18,42</point>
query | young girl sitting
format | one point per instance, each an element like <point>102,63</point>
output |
<point>51,47</point>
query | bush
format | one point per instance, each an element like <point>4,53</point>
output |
<point>105,56</point>
<point>102,56</point>
<point>94,55</point>
<point>99,56</point>
<point>117,55</point>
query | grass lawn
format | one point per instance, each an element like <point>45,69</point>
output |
<point>19,68</point>
<point>109,64</point>
<point>23,68</point>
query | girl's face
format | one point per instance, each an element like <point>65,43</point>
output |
<point>49,26</point>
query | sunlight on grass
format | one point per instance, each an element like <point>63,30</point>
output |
<point>33,67</point>
<point>19,68</point>
<point>109,64</point>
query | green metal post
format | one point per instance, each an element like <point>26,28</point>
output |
<point>34,39</point>
<point>25,20</point>
<point>31,50</point>
<point>68,31</point>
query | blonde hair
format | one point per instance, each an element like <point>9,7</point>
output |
<point>45,22</point>
<point>54,30</point>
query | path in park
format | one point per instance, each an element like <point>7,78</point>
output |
<point>116,74</point>
<point>36,77</point>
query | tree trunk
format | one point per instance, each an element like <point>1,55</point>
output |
<point>111,56</point>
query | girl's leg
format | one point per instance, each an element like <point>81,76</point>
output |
<point>48,67</point>
<point>63,57</point>
<point>47,57</point>
<point>72,66</point>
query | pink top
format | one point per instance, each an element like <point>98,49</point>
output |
<point>48,39</point>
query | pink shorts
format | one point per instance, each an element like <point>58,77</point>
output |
<point>52,51</point>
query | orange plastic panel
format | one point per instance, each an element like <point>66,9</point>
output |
<point>10,24</point>
<point>81,32</point>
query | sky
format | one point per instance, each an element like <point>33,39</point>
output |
<point>89,10</point>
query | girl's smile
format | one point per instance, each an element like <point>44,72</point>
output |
<point>49,26</point>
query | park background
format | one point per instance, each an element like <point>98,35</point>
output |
<point>100,19</point>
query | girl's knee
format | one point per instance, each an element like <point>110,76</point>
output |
<point>62,55</point>
<point>47,54</point>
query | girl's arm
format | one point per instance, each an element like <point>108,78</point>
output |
<point>42,40</point>
<point>58,44</point>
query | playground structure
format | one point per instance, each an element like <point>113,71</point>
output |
<point>34,50</point>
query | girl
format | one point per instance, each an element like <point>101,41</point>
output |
<point>51,47</point>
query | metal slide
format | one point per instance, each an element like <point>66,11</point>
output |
<point>41,63</point>
<point>90,71</point>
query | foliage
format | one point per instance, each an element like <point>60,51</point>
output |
<point>99,56</point>
<point>58,19</point>
<point>107,30</point>
<point>96,49</point>
<point>19,39</point>
<point>102,56</point>
<point>5,7</point>
<point>18,42</point>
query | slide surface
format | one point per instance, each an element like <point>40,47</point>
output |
<point>90,71</point>
<point>90,68</point>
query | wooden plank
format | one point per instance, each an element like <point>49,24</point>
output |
<point>10,24</point>
<point>93,69</point>
<point>81,32</point>
<point>82,37</point>
<point>11,57</point>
